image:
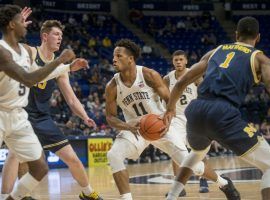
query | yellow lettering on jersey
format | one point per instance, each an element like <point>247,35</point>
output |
<point>236,47</point>
<point>250,130</point>
<point>42,85</point>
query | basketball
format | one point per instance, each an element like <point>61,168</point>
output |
<point>151,126</point>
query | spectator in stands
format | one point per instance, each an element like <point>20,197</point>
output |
<point>92,53</point>
<point>147,50</point>
<point>135,15</point>
<point>193,58</point>
<point>180,25</point>
<point>106,42</point>
<point>92,42</point>
<point>152,27</point>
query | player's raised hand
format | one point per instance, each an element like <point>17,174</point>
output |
<point>66,56</point>
<point>89,122</point>
<point>78,64</point>
<point>26,12</point>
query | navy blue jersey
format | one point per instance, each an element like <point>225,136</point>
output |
<point>40,94</point>
<point>230,73</point>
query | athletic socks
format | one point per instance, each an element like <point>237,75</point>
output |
<point>173,194</point>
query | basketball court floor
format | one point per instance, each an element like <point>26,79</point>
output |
<point>152,181</point>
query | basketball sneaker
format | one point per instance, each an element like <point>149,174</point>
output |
<point>230,191</point>
<point>203,186</point>
<point>92,196</point>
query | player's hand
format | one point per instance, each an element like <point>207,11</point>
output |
<point>66,56</point>
<point>134,128</point>
<point>89,122</point>
<point>26,12</point>
<point>78,63</point>
<point>167,118</point>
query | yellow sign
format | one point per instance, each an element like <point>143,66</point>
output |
<point>97,151</point>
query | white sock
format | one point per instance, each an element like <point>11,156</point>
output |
<point>25,186</point>
<point>176,189</point>
<point>126,196</point>
<point>87,190</point>
<point>221,181</point>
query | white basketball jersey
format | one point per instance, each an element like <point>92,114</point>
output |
<point>139,99</point>
<point>189,94</point>
<point>12,93</point>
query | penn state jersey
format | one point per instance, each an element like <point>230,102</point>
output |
<point>230,73</point>
<point>40,94</point>
<point>139,99</point>
<point>14,94</point>
<point>189,94</point>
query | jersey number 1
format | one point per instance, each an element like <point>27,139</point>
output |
<point>137,110</point>
<point>229,58</point>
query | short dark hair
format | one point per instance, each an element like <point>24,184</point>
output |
<point>7,13</point>
<point>248,28</point>
<point>49,24</point>
<point>131,46</point>
<point>179,53</point>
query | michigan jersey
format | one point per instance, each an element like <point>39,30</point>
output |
<point>230,73</point>
<point>40,94</point>
<point>139,99</point>
<point>14,94</point>
<point>189,94</point>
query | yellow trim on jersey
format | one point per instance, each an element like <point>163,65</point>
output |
<point>55,144</point>
<point>214,52</point>
<point>254,147</point>
<point>252,64</point>
<point>43,58</point>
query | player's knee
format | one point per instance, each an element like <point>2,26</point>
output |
<point>38,169</point>
<point>265,179</point>
<point>198,169</point>
<point>116,161</point>
<point>72,159</point>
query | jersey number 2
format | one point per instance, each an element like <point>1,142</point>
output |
<point>137,110</point>
<point>227,61</point>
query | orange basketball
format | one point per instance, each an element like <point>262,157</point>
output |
<point>151,127</point>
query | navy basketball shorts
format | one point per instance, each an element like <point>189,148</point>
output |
<point>216,119</point>
<point>49,135</point>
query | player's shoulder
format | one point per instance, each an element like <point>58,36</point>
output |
<point>111,84</point>
<point>149,73</point>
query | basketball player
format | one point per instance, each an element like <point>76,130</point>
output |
<point>49,135</point>
<point>137,90</point>
<point>230,71</point>
<point>15,65</point>
<point>180,61</point>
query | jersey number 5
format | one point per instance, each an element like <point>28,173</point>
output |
<point>137,110</point>
<point>22,89</point>
<point>227,61</point>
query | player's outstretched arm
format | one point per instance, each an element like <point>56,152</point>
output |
<point>262,66</point>
<point>17,72</point>
<point>111,110</point>
<point>72,101</point>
